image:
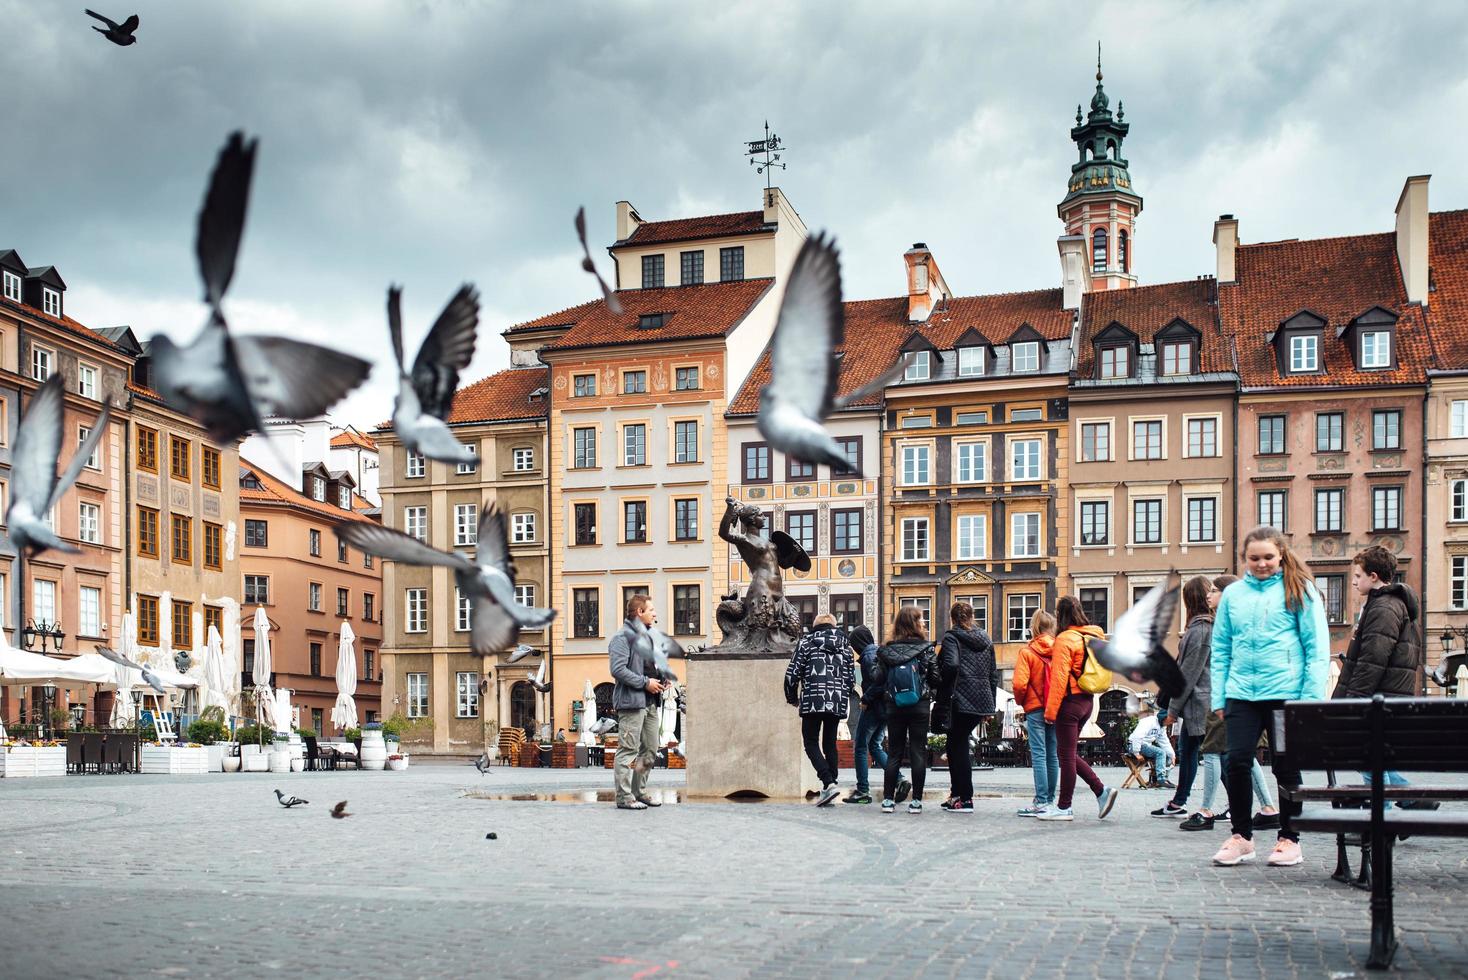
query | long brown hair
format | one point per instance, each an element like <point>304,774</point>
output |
<point>1069,614</point>
<point>1224,581</point>
<point>1195,596</point>
<point>961,615</point>
<point>909,624</point>
<point>1296,578</point>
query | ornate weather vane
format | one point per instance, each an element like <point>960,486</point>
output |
<point>767,148</point>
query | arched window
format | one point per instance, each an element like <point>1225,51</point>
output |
<point>603,694</point>
<point>522,706</point>
<point>1123,253</point>
<point>1098,250</point>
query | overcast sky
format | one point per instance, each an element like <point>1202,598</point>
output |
<point>431,143</point>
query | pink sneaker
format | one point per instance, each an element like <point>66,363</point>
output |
<point>1234,851</point>
<point>1286,854</point>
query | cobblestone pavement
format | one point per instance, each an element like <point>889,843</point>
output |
<point>206,876</point>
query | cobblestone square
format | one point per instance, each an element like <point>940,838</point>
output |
<point>208,876</point>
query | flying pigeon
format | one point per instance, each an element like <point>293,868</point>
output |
<point>488,580</point>
<point>613,304</point>
<point>340,811</point>
<point>230,383</point>
<point>482,763</point>
<point>1135,649</point>
<point>538,681</point>
<point>653,642</point>
<point>804,370</point>
<point>426,394</point>
<point>522,651</point>
<point>34,485</point>
<point>603,725</point>
<point>119,34</point>
<point>290,801</point>
<point>149,678</point>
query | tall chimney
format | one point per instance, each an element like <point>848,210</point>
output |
<point>1412,237</point>
<point>926,287</point>
<point>1226,242</point>
<point>1073,278</point>
<point>627,220</point>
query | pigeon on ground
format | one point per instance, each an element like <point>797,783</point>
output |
<point>488,580</point>
<point>230,383</point>
<point>340,810</point>
<point>119,34</point>
<point>613,303</point>
<point>34,486</point>
<point>804,369</point>
<point>149,678</point>
<point>1135,648</point>
<point>538,681</point>
<point>426,394</point>
<point>522,651</point>
<point>290,801</point>
<point>491,836</point>
<point>482,763</point>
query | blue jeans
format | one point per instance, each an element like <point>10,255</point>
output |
<point>1161,758</point>
<point>868,739</point>
<point>1189,746</point>
<point>1043,758</point>
<point>1213,777</point>
<point>1388,778</point>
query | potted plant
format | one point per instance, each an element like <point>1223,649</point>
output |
<point>374,748</point>
<point>214,735</point>
<point>397,762</point>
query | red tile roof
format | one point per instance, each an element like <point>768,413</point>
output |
<point>1338,278</point>
<point>708,310</point>
<point>708,226</point>
<point>349,437</point>
<point>273,491</point>
<point>997,316</point>
<point>503,397</point>
<point>65,323</point>
<point>1144,310</point>
<point>1447,304</point>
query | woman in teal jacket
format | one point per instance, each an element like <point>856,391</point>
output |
<point>1271,644</point>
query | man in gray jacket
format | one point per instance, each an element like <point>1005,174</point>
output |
<point>637,677</point>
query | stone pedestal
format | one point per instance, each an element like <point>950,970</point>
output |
<point>741,735</point>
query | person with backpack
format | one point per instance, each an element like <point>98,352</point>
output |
<point>1031,690</point>
<point>820,680</point>
<point>871,722</point>
<point>907,669</point>
<point>969,677</point>
<point>1068,707</point>
<point>1271,644</point>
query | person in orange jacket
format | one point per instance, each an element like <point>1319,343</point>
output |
<point>1068,708</point>
<point>1031,685</point>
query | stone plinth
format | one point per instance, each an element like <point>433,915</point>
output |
<point>741,735</point>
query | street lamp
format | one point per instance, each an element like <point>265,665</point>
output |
<point>1448,638</point>
<point>42,631</point>
<point>48,697</point>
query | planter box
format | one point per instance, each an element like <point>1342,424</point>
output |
<point>25,761</point>
<point>563,755</point>
<point>676,761</point>
<point>177,761</point>
<point>217,752</point>
<point>529,755</point>
<point>845,754</point>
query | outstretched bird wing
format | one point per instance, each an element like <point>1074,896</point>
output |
<point>293,379</point>
<point>385,542</point>
<point>395,323</point>
<point>37,448</point>
<point>110,654</point>
<point>80,457</point>
<point>491,627</point>
<point>1135,648</point>
<point>131,24</point>
<point>222,218</point>
<point>106,20</point>
<point>878,383</point>
<point>447,350</point>
<point>613,303</point>
<point>803,366</point>
<point>494,541</point>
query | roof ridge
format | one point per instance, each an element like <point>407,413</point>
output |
<point>1314,241</point>
<point>701,217</point>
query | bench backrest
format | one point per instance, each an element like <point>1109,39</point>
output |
<point>1425,734</point>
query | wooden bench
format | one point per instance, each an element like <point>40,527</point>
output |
<point>1356,734</point>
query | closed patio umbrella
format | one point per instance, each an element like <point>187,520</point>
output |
<point>588,714</point>
<point>264,700</point>
<point>344,714</point>
<point>216,677</point>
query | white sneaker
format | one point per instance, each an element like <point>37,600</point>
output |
<point>1057,814</point>
<point>828,795</point>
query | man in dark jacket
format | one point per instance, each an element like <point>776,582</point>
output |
<point>820,680</point>
<point>1385,652</point>
<point>637,677</point>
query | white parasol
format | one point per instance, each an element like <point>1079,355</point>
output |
<point>216,672</point>
<point>1460,687</point>
<point>668,716</point>
<point>344,715</point>
<point>264,700</point>
<point>588,714</point>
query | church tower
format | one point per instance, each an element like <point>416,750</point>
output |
<point>1100,207</point>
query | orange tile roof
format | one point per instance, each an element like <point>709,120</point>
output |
<point>707,226</point>
<point>349,437</point>
<point>1337,278</point>
<point>1144,310</point>
<point>707,310</point>
<point>503,397</point>
<point>66,323</point>
<point>277,492</point>
<point>1447,305</point>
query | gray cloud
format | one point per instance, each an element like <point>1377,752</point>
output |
<point>433,143</point>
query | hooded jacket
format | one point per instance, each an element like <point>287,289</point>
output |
<point>1067,658</point>
<point>1263,651</point>
<point>1385,651</point>
<point>1194,654</point>
<point>896,652</point>
<point>969,673</point>
<point>821,674</point>
<point>1032,673</point>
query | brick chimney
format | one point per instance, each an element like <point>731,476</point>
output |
<point>1412,237</point>
<point>627,220</point>
<point>1073,278</point>
<point>1226,242</point>
<point>926,287</point>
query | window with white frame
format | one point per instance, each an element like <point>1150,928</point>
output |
<point>415,467</point>
<point>522,528</point>
<point>1330,506</point>
<point>12,287</point>
<point>915,465</point>
<point>1177,358</point>
<point>1386,429</point>
<point>525,595</point>
<point>1376,349</point>
<point>415,522</point>
<point>344,497</point>
<point>40,363</point>
<point>1458,500</point>
<point>1203,437</point>
<point>1458,581</point>
<point>1116,361</point>
<point>1021,609</point>
<point>314,599</point>
<point>914,539</point>
<point>634,445</point>
<point>466,683</point>
<point>1024,459</point>
<point>416,605</point>
<point>1202,519</point>
<point>89,611</point>
<point>916,422</point>
<point>685,442</point>
<point>1271,511</point>
<point>1095,522</point>
<point>466,525</point>
<point>585,448</point>
<point>318,489</point>
<point>918,366</point>
<point>973,536</point>
<point>1024,535</point>
<point>43,600</point>
<point>86,381</point>
<point>1332,589</point>
<point>1386,508</point>
<point>1025,357</point>
<point>973,462</point>
<point>524,460</point>
<point>970,362</point>
<point>417,695</point>
<point>50,301</point>
<point>1095,442</point>
<point>1147,439</point>
<point>469,467</point>
<point>89,526</point>
<point>463,612</point>
<point>923,604</point>
<point>584,386</point>
<point>1147,520</point>
<point>1304,354</point>
<point>94,459</point>
<point>1458,420</point>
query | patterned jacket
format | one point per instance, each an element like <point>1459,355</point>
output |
<point>821,677</point>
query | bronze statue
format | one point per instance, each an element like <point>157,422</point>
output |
<point>762,620</point>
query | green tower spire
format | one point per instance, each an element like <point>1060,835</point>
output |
<point>1100,168</point>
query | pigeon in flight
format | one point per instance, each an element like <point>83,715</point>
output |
<point>149,678</point>
<point>290,801</point>
<point>230,383</point>
<point>653,642</point>
<point>538,681</point>
<point>488,580</point>
<point>34,485</point>
<point>804,369</point>
<point>613,304</point>
<point>1135,649</point>
<point>603,725</point>
<point>119,34</point>
<point>426,394</point>
<point>339,811</point>
<point>522,651</point>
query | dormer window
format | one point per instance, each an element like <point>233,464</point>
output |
<point>918,366</point>
<point>651,321</point>
<point>1376,350</point>
<point>318,488</point>
<point>344,498</point>
<point>1304,354</point>
<point>50,301</point>
<point>1025,357</point>
<point>1115,362</point>
<point>970,362</point>
<point>1177,358</point>
<point>12,287</point>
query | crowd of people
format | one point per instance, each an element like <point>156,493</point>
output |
<point>1249,644</point>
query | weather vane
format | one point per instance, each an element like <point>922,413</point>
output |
<point>767,148</point>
